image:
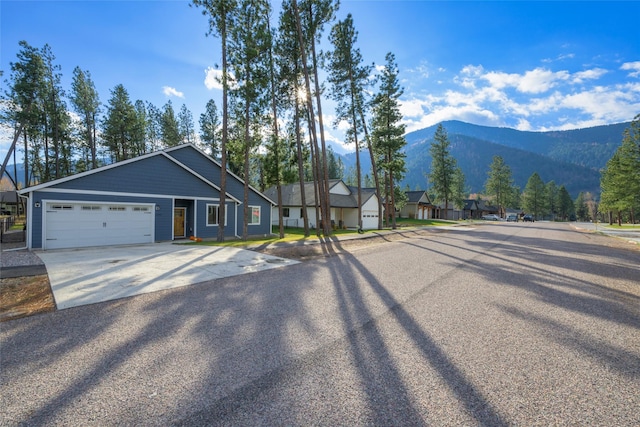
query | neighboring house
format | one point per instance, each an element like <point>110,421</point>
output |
<point>161,196</point>
<point>471,209</point>
<point>451,213</point>
<point>487,209</point>
<point>418,206</point>
<point>343,200</point>
<point>9,203</point>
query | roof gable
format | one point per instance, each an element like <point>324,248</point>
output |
<point>129,175</point>
<point>211,169</point>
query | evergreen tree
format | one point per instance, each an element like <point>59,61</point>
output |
<point>552,193</point>
<point>154,127</point>
<point>24,91</point>
<point>84,98</point>
<point>459,189</point>
<point>581,208</point>
<point>565,204</point>
<point>443,167</point>
<point>186,125</point>
<point>221,21</point>
<point>310,19</point>
<point>348,78</point>
<point>387,133</point>
<point>139,131</point>
<point>210,128</point>
<point>250,42</point>
<point>289,65</point>
<point>534,196</point>
<point>169,125</point>
<point>58,149</point>
<point>620,182</point>
<point>119,124</point>
<point>500,183</point>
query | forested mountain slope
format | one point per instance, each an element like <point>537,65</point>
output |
<point>571,158</point>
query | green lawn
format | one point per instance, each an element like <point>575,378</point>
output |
<point>635,227</point>
<point>297,234</point>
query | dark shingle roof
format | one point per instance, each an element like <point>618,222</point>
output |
<point>291,195</point>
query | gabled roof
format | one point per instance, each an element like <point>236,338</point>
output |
<point>9,196</point>
<point>482,205</point>
<point>164,153</point>
<point>291,195</point>
<point>470,205</point>
<point>217,163</point>
<point>415,196</point>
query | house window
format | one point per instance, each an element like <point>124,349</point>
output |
<point>91,208</point>
<point>213,215</point>
<point>62,207</point>
<point>301,213</point>
<point>285,212</point>
<point>254,215</point>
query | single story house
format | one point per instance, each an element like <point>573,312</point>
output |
<point>471,209</point>
<point>451,212</point>
<point>342,198</point>
<point>418,206</point>
<point>486,209</point>
<point>9,203</point>
<point>161,196</point>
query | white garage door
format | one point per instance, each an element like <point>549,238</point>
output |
<point>81,224</point>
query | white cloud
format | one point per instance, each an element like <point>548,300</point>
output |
<point>171,91</point>
<point>413,107</point>
<point>213,78</point>
<point>605,104</point>
<point>593,74</point>
<point>537,99</point>
<point>635,66</point>
<point>523,124</point>
<point>538,80</point>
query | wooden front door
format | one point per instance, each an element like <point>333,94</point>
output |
<point>179,222</point>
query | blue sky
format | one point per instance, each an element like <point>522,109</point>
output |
<point>526,65</point>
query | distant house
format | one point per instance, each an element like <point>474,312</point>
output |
<point>343,200</point>
<point>161,196</point>
<point>418,206</point>
<point>486,209</point>
<point>451,212</point>
<point>9,203</point>
<point>471,209</point>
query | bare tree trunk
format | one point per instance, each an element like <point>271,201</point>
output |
<point>325,169</point>
<point>374,168</point>
<point>323,203</point>
<point>303,196</point>
<point>223,144</point>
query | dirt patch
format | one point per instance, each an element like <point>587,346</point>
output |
<point>25,296</point>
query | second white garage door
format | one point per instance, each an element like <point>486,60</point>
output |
<point>82,224</point>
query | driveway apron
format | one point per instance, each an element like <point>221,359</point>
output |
<point>92,275</point>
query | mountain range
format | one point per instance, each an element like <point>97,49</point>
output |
<point>572,158</point>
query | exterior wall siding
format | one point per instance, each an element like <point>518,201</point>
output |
<point>211,231</point>
<point>211,171</point>
<point>136,177</point>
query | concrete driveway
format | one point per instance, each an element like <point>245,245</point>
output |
<point>92,275</point>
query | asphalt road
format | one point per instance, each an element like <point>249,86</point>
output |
<point>505,324</point>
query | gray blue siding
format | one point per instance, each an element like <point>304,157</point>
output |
<point>158,180</point>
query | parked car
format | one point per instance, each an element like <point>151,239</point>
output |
<point>491,217</point>
<point>528,217</point>
<point>512,218</point>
